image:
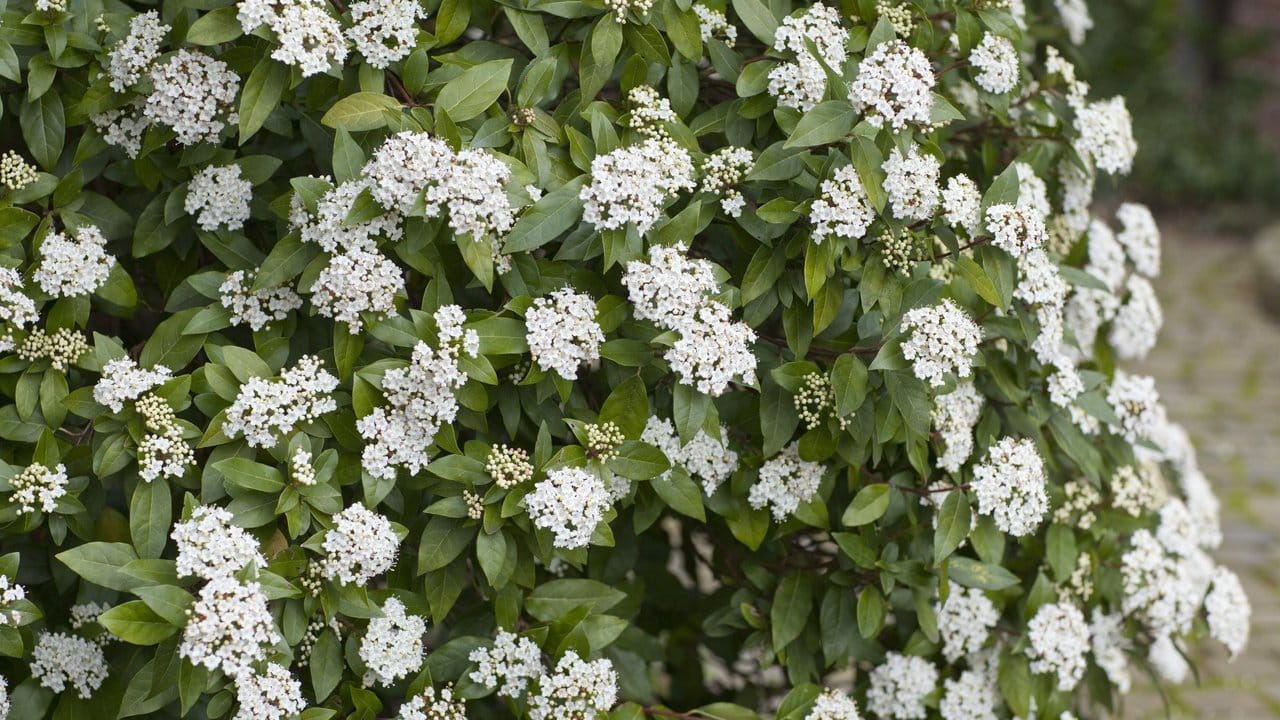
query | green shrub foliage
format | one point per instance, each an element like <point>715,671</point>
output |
<point>558,359</point>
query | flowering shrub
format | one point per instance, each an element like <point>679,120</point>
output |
<point>568,359</point>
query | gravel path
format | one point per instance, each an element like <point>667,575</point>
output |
<point>1218,370</point>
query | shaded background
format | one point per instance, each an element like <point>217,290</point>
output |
<point>1202,78</point>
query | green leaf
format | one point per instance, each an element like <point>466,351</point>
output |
<point>361,111</point>
<point>680,493</point>
<point>475,90</point>
<point>136,623</point>
<point>758,18</point>
<point>627,407</point>
<point>1001,271</point>
<point>44,127</point>
<point>491,551</point>
<point>985,576</point>
<point>246,474</point>
<point>1060,551</point>
<point>168,602</point>
<point>848,384</point>
<point>215,27</point>
<point>326,664</point>
<point>442,542</point>
<point>1004,190</point>
<point>826,123</point>
<point>792,605</point>
<point>639,461</point>
<point>1014,681</point>
<point>977,279</point>
<point>100,563</point>
<point>557,598</point>
<point>261,95</point>
<point>871,612</point>
<point>150,514</point>
<point>599,53</point>
<point>288,257</point>
<point>762,273</point>
<point>557,212</point>
<point>954,522</point>
<point>868,505</point>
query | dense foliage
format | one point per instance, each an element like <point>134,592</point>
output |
<point>568,359</point>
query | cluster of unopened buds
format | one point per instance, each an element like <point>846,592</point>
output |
<point>508,466</point>
<point>603,440</point>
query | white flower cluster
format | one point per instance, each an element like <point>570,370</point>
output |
<point>508,666</point>
<point>508,466</point>
<point>1228,611</point>
<point>219,196</point>
<point>962,204</point>
<point>911,182</point>
<point>1140,237</point>
<point>576,690</point>
<point>360,546</point>
<point>10,593</point>
<point>563,333</point>
<point>570,503</point>
<point>964,622</point>
<point>713,24</point>
<point>703,457</point>
<point>722,172</point>
<point>899,686</point>
<point>1075,17</point>
<point>431,705</point>
<point>70,268</point>
<point>384,31</point>
<point>61,348</point>
<point>1106,135</point>
<point>16,307</point>
<point>673,291</point>
<point>16,173</point>
<point>894,84</point>
<point>131,57</point>
<point>1059,639</point>
<point>1158,589</point>
<point>1138,321</point>
<point>327,226</point>
<point>997,63</point>
<point>803,83</point>
<point>39,486</point>
<point>309,37</point>
<point>833,705</point>
<point>162,452</point>
<point>60,660</point>
<point>420,400</point>
<point>785,482</point>
<point>972,696</point>
<point>355,282</point>
<point>265,409</point>
<point>1016,229</point>
<point>123,127</point>
<point>1010,485</point>
<point>632,184</point>
<point>1136,404</point>
<point>622,8</point>
<point>954,416</point>
<point>123,380</point>
<point>944,339</point>
<point>255,308</point>
<point>1110,645</point>
<point>195,95</point>
<point>392,647</point>
<point>229,627</point>
<point>272,695</point>
<point>843,209</point>
<point>210,545</point>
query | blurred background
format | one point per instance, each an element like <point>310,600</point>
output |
<point>1202,78</point>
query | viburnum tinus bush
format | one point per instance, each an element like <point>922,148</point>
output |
<point>567,359</point>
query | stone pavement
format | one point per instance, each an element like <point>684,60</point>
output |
<point>1218,370</point>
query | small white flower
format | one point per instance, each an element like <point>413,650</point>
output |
<point>60,660</point>
<point>1010,485</point>
<point>384,31</point>
<point>570,503</point>
<point>265,410</point>
<point>360,546</point>
<point>962,204</point>
<point>997,63</point>
<point>1059,640</point>
<point>894,84</point>
<point>965,621</point>
<point>943,339</point>
<point>563,333</point>
<point>786,481</point>
<point>843,209</point>
<point>392,647</point>
<point>210,545</point>
<point>912,183</point>
<point>229,627</point>
<point>833,704</point>
<point>508,666</point>
<point>1016,229</point>
<point>123,380</point>
<point>633,184</point>
<point>899,686</point>
<point>134,55</point>
<point>219,196</point>
<point>71,268</point>
<point>1140,238</point>
<point>272,695</point>
<point>195,95</point>
<point>1106,135</point>
<point>1228,611</point>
